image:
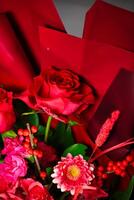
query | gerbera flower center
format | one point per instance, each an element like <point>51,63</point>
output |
<point>73,172</point>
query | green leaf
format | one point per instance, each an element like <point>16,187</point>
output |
<point>76,149</point>
<point>10,134</point>
<point>62,137</point>
<point>31,159</point>
<point>49,170</point>
<point>1,160</point>
<point>32,119</point>
<point>68,137</point>
<point>125,195</point>
<point>1,142</point>
<point>21,108</point>
<point>73,123</point>
<point>41,132</point>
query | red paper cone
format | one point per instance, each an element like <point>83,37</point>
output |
<point>13,61</point>
<point>100,64</point>
<point>110,24</point>
<point>27,15</point>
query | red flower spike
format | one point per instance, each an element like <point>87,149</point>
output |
<point>106,128</point>
<point>118,146</point>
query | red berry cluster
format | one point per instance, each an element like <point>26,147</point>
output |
<point>101,172</point>
<point>24,134</point>
<point>32,150</point>
<point>119,168</point>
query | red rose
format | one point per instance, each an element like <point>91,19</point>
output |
<point>35,190</point>
<point>59,93</point>
<point>7,115</point>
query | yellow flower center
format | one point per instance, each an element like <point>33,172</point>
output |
<point>73,172</point>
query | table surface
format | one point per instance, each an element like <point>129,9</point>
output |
<point>73,12</point>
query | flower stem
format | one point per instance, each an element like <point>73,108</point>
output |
<point>37,164</point>
<point>93,152</point>
<point>47,128</point>
<point>32,112</point>
<point>32,146</point>
<point>63,196</point>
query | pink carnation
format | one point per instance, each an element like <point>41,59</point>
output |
<point>14,166</point>
<point>13,146</point>
<point>73,174</point>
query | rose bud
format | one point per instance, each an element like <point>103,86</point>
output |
<point>7,115</point>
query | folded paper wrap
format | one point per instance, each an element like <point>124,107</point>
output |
<point>15,69</point>
<point>26,16</point>
<point>110,24</point>
<point>101,65</point>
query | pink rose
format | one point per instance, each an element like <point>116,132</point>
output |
<point>59,93</point>
<point>7,115</point>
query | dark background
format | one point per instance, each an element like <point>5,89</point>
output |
<point>73,12</point>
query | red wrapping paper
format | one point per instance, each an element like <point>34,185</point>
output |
<point>99,63</point>
<point>15,69</point>
<point>26,16</point>
<point>110,24</point>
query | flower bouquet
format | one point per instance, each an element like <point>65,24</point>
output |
<point>66,109</point>
<point>44,162</point>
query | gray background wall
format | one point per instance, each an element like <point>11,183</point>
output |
<point>73,12</point>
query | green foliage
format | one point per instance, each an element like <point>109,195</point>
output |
<point>125,195</point>
<point>1,160</point>
<point>49,170</point>
<point>25,115</point>
<point>10,134</point>
<point>72,123</point>
<point>31,159</point>
<point>1,142</point>
<point>76,149</point>
<point>61,137</point>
